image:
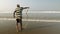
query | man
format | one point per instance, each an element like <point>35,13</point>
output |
<point>18,15</point>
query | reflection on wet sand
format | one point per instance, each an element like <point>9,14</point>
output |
<point>30,27</point>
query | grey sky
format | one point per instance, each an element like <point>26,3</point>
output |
<point>43,4</point>
<point>10,5</point>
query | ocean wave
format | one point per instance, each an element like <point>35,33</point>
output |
<point>41,20</point>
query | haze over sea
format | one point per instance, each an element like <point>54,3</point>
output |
<point>35,15</point>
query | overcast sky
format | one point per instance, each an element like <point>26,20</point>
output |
<point>10,5</point>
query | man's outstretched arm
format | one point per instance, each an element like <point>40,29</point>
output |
<point>25,7</point>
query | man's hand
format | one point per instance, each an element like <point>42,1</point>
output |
<point>13,16</point>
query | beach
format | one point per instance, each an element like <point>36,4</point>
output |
<point>38,16</point>
<point>30,27</point>
<point>33,23</point>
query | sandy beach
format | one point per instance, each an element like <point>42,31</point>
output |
<point>30,27</point>
<point>38,16</point>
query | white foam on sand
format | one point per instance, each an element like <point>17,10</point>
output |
<point>31,20</point>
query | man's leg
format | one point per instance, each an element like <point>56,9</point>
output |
<point>17,27</point>
<point>21,24</point>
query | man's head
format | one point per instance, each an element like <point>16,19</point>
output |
<point>18,5</point>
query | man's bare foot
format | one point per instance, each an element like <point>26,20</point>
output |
<point>21,29</point>
<point>17,30</point>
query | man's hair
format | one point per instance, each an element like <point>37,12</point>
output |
<point>18,5</point>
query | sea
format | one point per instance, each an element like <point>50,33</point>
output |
<point>52,15</point>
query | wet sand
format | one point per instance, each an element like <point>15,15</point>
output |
<point>30,27</point>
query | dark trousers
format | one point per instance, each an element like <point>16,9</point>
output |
<point>19,21</point>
